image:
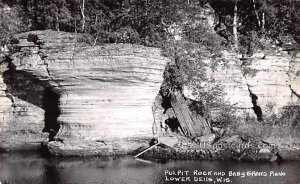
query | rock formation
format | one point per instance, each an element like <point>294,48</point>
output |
<point>54,80</point>
<point>259,86</point>
<point>109,99</point>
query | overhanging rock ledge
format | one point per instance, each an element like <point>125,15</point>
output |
<point>90,95</point>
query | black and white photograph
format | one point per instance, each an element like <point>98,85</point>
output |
<point>149,91</point>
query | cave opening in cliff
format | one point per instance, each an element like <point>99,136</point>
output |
<point>256,108</point>
<point>28,87</point>
<point>50,103</point>
<point>166,101</point>
<point>173,124</point>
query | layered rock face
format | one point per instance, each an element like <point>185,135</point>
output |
<point>81,91</point>
<point>273,82</point>
<point>259,86</point>
<point>21,122</point>
<point>100,99</point>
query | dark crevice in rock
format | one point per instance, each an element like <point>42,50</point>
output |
<point>166,100</point>
<point>50,103</point>
<point>257,109</point>
<point>28,87</point>
<point>11,67</point>
<point>173,124</point>
<point>47,69</point>
<point>294,92</point>
<point>32,38</point>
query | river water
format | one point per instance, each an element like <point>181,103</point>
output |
<point>28,168</point>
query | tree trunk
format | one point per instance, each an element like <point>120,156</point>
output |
<point>57,23</point>
<point>235,25</point>
<point>83,16</point>
<point>263,22</point>
<point>256,13</point>
<point>75,28</point>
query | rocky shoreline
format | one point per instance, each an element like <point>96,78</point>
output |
<point>227,148</point>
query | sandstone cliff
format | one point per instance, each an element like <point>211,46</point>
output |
<point>109,99</point>
<point>54,80</point>
<point>259,86</point>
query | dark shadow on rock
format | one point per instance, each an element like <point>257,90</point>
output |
<point>28,87</point>
<point>258,112</point>
<point>173,124</point>
<point>52,111</point>
<point>166,100</point>
<point>256,108</point>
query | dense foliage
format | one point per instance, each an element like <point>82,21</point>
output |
<point>147,21</point>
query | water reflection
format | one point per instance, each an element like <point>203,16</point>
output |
<point>28,168</point>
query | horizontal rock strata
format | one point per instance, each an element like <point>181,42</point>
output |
<point>267,84</point>
<point>84,92</point>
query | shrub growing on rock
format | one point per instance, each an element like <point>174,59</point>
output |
<point>204,36</point>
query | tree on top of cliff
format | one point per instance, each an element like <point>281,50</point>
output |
<point>48,14</point>
<point>147,21</point>
<point>271,19</point>
<point>11,21</point>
